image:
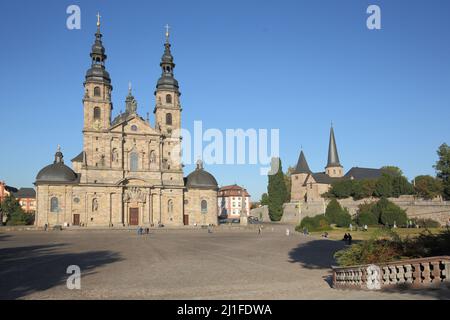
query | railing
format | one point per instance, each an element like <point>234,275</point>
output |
<point>414,273</point>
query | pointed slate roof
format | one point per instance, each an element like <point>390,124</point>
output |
<point>333,157</point>
<point>302,165</point>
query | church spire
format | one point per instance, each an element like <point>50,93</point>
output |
<point>167,81</point>
<point>333,157</point>
<point>302,165</point>
<point>97,72</point>
<point>333,168</point>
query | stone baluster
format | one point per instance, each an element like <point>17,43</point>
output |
<point>393,275</point>
<point>417,273</point>
<point>386,275</point>
<point>436,272</point>
<point>408,274</point>
<point>400,274</point>
<point>446,271</point>
<point>426,275</point>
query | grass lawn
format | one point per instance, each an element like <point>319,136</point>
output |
<point>338,233</point>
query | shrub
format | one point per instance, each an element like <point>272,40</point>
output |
<point>393,214</point>
<point>427,223</point>
<point>317,223</point>
<point>365,215</point>
<point>19,217</point>
<point>383,246</point>
<point>337,215</point>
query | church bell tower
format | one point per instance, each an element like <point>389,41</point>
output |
<point>97,89</point>
<point>168,111</point>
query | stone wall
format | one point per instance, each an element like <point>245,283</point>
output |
<point>415,208</point>
<point>262,213</point>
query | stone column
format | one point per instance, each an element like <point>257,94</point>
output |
<point>150,207</point>
<point>110,208</point>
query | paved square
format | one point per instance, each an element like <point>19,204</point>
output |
<point>173,264</point>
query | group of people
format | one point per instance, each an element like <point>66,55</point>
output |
<point>348,238</point>
<point>141,231</point>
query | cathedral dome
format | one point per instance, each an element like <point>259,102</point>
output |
<point>200,178</point>
<point>56,172</point>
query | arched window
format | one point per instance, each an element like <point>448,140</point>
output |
<point>204,206</point>
<point>134,158</point>
<point>54,207</point>
<point>97,92</point>
<point>168,98</point>
<point>170,206</point>
<point>169,119</point>
<point>97,113</point>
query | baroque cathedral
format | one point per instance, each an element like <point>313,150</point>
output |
<point>128,173</point>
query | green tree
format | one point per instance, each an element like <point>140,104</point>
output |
<point>366,216</point>
<point>388,213</point>
<point>11,208</point>
<point>393,171</point>
<point>287,181</point>
<point>341,189</point>
<point>442,167</point>
<point>428,187</point>
<point>401,186</point>
<point>337,215</point>
<point>264,199</point>
<point>383,186</point>
<point>277,193</point>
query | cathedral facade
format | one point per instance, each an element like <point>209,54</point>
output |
<point>129,172</point>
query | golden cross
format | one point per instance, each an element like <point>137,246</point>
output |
<point>98,19</point>
<point>167,32</point>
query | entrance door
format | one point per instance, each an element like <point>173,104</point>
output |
<point>76,219</point>
<point>186,220</point>
<point>134,216</point>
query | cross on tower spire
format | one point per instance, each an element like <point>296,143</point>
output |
<point>167,32</point>
<point>98,19</point>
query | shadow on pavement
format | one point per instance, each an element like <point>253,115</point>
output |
<point>24,270</point>
<point>316,254</point>
<point>442,292</point>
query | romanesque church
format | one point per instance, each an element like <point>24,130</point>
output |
<point>129,172</point>
<point>309,186</point>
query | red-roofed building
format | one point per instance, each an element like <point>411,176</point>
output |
<point>233,200</point>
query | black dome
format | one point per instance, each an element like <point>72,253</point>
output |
<point>199,178</point>
<point>56,172</point>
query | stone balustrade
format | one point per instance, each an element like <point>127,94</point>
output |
<point>414,273</point>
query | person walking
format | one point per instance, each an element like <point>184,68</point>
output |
<point>259,230</point>
<point>349,239</point>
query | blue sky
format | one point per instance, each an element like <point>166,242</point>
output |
<point>291,65</point>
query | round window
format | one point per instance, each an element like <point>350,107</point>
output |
<point>76,200</point>
<point>133,128</point>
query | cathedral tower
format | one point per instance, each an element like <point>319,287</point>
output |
<point>333,168</point>
<point>168,111</point>
<point>97,97</point>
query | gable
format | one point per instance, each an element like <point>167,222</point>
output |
<point>134,125</point>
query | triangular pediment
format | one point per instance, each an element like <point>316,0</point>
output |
<point>133,125</point>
